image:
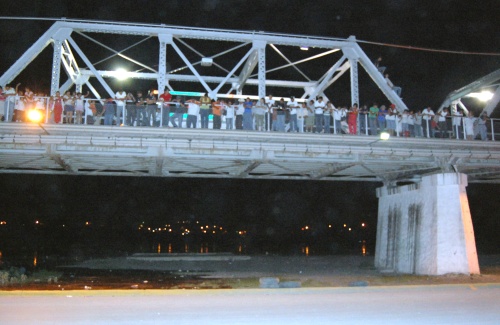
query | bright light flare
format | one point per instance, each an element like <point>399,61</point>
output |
<point>35,116</point>
<point>121,74</point>
<point>385,136</point>
<point>483,96</point>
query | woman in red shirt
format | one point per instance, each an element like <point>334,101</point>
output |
<point>352,119</point>
<point>58,107</point>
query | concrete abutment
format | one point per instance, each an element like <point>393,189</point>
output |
<point>426,228</point>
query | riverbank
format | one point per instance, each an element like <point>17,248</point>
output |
<point>202,271</point>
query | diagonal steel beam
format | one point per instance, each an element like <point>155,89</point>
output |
<point>195,72</point>
<point>91,67</point>
<point>300,61</point>
<point>120,52</point>
<point>63,163</point>
<point>200,54</point>
<point>287,60</point>
<point>231,73</point>
<point>326,81</point>
<point>330,169</point>
<point>213,57</point>
<point>117,53</point>
<point>247,69</point>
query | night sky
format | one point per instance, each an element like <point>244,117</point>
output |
<point>426,78</point>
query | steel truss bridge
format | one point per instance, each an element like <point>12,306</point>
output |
<point>159,152</point>
<point>74,53</point>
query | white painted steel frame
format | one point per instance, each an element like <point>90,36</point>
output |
<point>60,33</point>
<point>125,151</point>
<point>490,80</point>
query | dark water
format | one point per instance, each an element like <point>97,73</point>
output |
<point>49,246</point>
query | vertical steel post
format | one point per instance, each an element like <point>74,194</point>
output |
<point>261,48</point>
<point>354,82</point>
<point>162,61</point>
<point>56,67</point>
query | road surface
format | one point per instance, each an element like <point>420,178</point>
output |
<point>442,304</point>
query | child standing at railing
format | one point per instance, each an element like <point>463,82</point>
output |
<point>79,106</point>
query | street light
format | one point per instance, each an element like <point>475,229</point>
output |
<point>121,74</point>
<point>483,96</point>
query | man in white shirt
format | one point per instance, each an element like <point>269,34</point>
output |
<point>427,116</point>
<point>292,106</point>
<point>319,106</point>
<point>192,111</point>
<point>457,123</point>
<point>270,103</point>
<point>10,102</point>
<point>301,116</point>
<point>229,113</point>
<point>443,126</point>
<point>120,97</point>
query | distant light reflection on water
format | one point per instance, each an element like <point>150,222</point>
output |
<point>39,258</point>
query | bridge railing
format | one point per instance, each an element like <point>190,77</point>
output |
<point>454,128</point>
<point>454,125</point>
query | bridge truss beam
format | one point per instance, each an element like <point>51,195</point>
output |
<point>79,68</point>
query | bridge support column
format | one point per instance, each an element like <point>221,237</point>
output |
<point>426,228</point>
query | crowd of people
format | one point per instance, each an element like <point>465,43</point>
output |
<point>266,114</point>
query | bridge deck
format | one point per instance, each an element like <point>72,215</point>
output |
<point>126,151</point>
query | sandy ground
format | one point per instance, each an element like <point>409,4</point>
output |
<point>309,271</point>
<point>225,271</point>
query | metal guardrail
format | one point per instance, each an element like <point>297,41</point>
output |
<point>454,129</point>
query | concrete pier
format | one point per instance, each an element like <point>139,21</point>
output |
<point>426,228</point>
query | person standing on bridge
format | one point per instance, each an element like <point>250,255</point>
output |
<point>165,100</point>
<point>204,110</point>
<point>280,115</point>
<point>217,107</point>
<point>301,116</point>
<point>319,106</point>
<point>456,123</point>
<point>259,110</point>
<point>151,107</point>
<point>57,103</point>
<point>293,105</point>
<point>443,126</point>
<point>193,110</point>
<point>240,110</point>
<point>483,131</point>
<point>469,122</point>
<point>269,113</point>
<point>427,117</point>
<point>80,106</point>
<point>120,97</point>
<point>69,107</point>
<point>131,109</point>
<point>179,113</point>
<point>310,116</point>
<point>352,119</point>
<point>372,118</point>
<point>390,121</point>
<point>10,103</point>
<point>140,109</point>
<point>247,115</point>
<point>109,112</point>
<point>229,113</point>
